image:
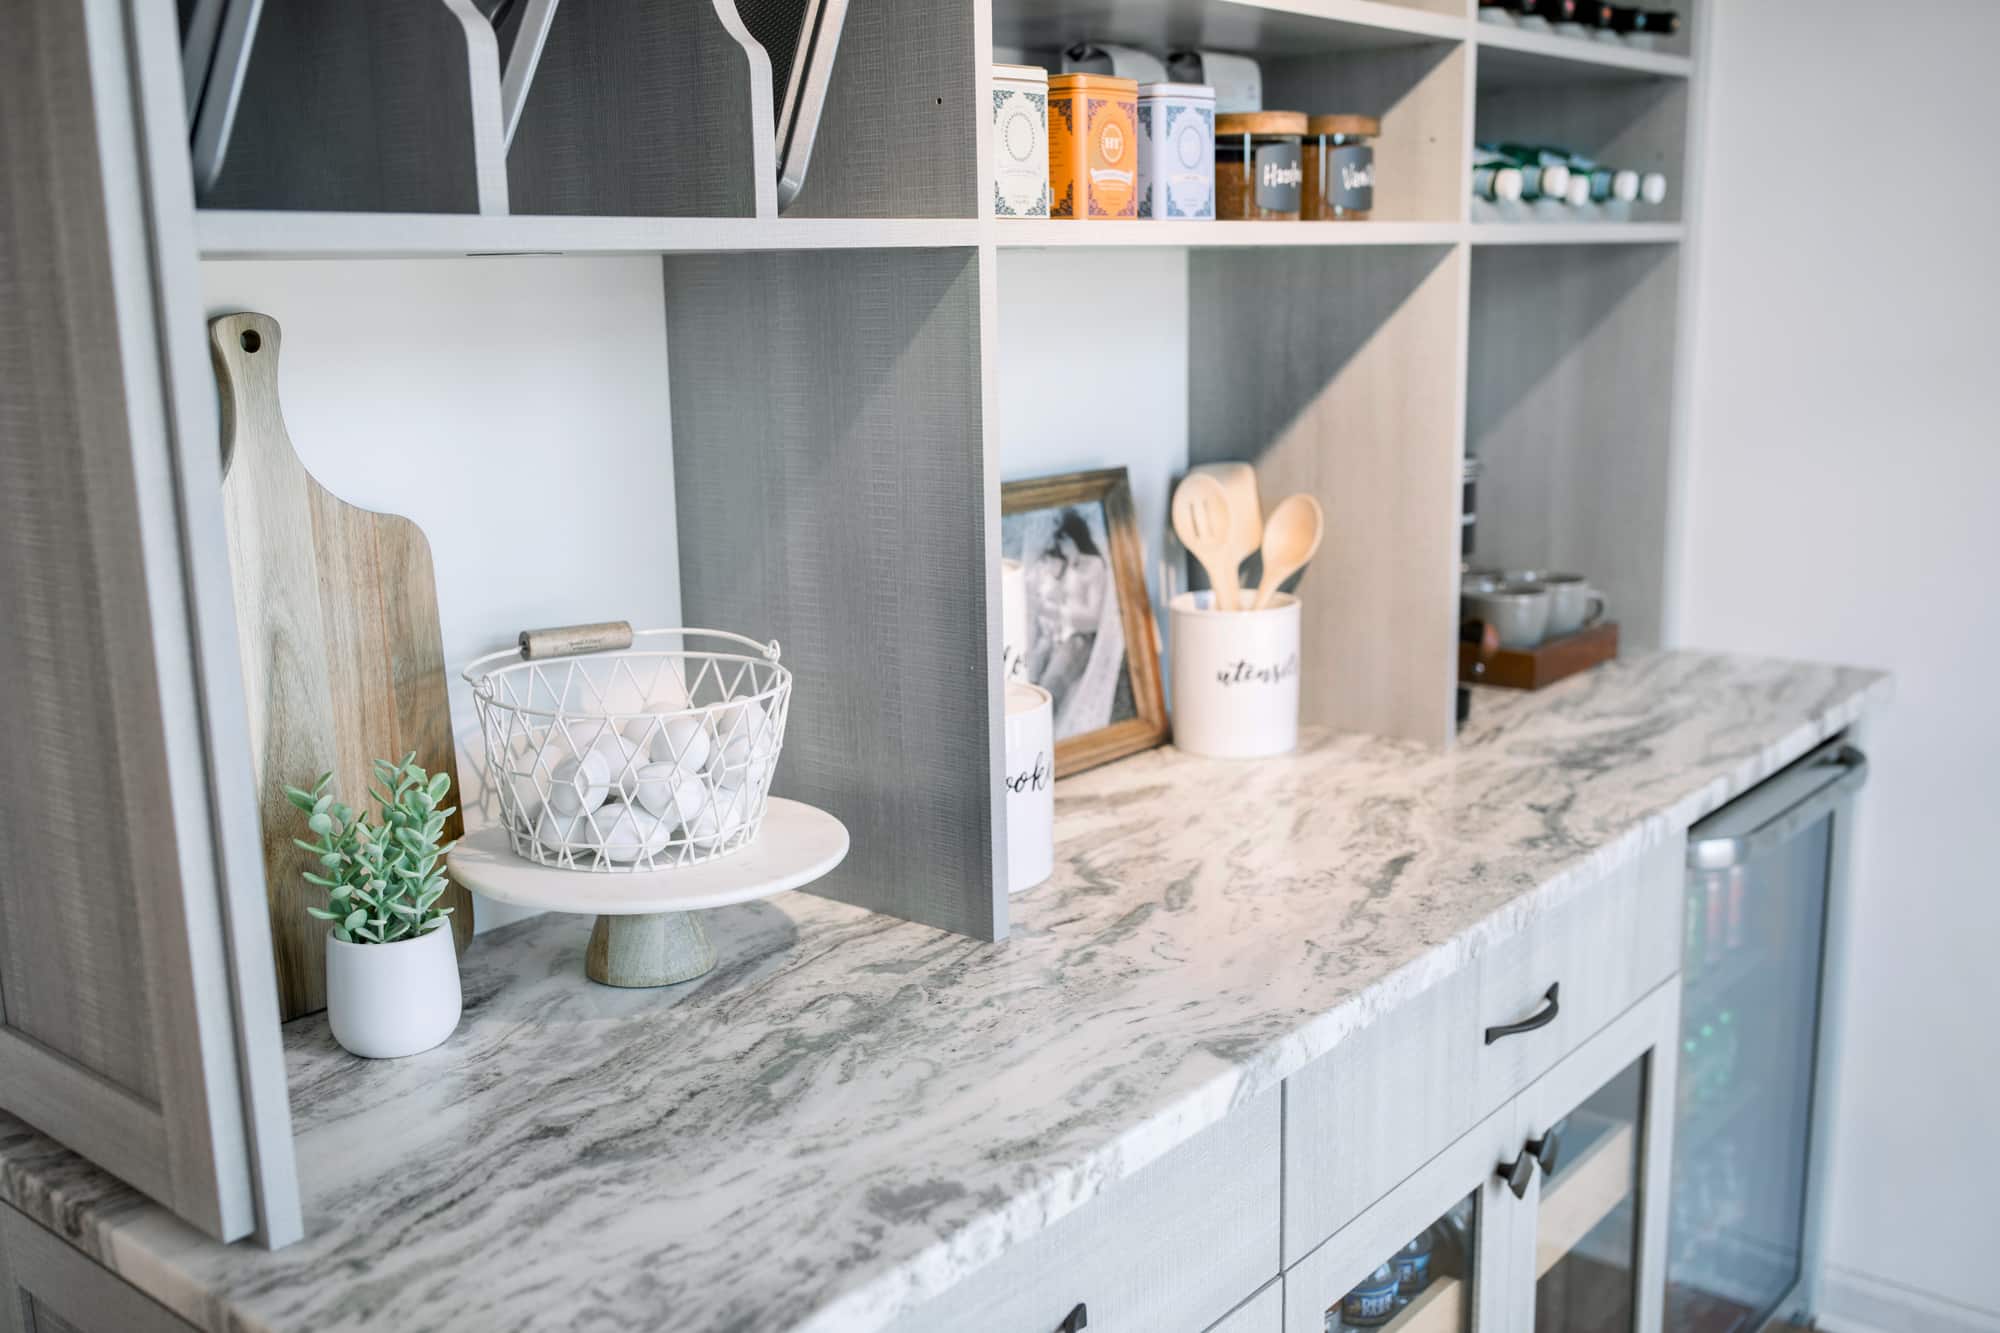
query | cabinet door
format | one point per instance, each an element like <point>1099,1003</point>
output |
<point>122,905</point>
<point>1431,1256</point>
<point>47,1287</point>
<point>1595,1137</point>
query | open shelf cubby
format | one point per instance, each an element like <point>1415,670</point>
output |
<point>848,383</point>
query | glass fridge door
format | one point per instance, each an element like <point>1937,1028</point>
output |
<point>1755,921</point>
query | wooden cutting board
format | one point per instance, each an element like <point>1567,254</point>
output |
<point>337,621</point>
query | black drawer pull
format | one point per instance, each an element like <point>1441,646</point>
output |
<point>1541,1018</point>
<point>1076,1320</point>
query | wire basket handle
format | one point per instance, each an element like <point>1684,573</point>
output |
<point>601,636</point>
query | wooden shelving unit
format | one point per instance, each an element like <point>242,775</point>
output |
<point>1359,361</point>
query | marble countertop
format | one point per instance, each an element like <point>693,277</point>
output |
<point>852,1112</point>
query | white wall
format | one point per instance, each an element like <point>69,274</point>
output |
<point>1841,503</point>
<point>515,408</point>
<point>1093,373</point>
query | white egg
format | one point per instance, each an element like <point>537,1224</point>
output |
<point>578,786</point>
<point>626,834</point>
<point>623,759</point>
<point>683,742</point>
<point>559,834</point>
<point>666,791</point>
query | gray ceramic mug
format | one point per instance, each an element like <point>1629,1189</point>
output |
<point>1518,612</point>
<point>1573,604</point>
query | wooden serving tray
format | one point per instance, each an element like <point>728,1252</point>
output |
<point>1535,667</point>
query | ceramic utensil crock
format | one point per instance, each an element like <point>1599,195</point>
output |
<point>1236,677</point>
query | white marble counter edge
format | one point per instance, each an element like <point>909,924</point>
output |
<point>946,1262</point>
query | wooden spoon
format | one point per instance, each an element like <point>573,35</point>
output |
<point>1291,537</point>
<point>1202,521</point>
<point>1246,509</point>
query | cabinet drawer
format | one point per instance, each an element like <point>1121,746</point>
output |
<point>1175,1247</point>
<point>1605,948</point>
<point>1381,1104</point>
<point>55,1289</point>
<point>1262,1313</point>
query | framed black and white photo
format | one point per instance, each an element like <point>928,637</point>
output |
<point>1090,637</point>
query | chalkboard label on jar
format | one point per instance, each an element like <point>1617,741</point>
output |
<point>1350,178</point>
<point>1278,173</point>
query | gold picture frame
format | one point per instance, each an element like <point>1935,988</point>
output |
<point>1077,538</point>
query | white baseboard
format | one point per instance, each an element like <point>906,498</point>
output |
<point>1854,1302</point>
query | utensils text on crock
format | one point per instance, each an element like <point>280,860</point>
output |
<point>1246,508</point>
<point>1291,538</point>
<point>1204,524</point>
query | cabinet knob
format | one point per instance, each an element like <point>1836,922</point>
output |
<point>1076,1320</point>
<point>1518,1173</point>
<point>1541,1018</point>
<point>1547,1149</point>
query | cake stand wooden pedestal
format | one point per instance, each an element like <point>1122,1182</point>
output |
<point>647,933</point>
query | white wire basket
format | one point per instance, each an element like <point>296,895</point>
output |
<point>637,759</point>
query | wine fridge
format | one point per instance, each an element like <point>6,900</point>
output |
<point>1760,892</point>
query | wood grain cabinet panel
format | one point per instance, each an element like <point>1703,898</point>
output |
<point>1177,1246</point>
<point>1377,1107</point>
<point>1606,947</point>
<point>47,1287</point>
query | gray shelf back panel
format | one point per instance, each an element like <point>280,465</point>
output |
<point>361,106</point>
<point>641,109</point>
<point>1330,369</point>
<point>1570,410</point>
<point>896,138</point>
<point>831,482</point>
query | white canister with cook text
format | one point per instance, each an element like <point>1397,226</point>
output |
<point>1013,620</point>
<point>1176,150</point>
<point>1236,677</point>
<point>1031,786</point>
<point>1020,141</point>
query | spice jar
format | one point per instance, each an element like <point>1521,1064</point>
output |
<point>1093,146</point>
<point>1020,141</point>
<point>1258,170</point>
<point>1340,168</point>
<point>1176,150</point>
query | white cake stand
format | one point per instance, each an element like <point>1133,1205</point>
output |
<point>647,933</point>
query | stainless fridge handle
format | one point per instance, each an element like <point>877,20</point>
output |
<point>1824,780</point>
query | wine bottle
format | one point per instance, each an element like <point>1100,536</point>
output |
<point>1544,172</point>
<point>1651,22</point>
<point>1497,182</point>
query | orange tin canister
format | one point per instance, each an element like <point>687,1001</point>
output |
<point>1093,146</point>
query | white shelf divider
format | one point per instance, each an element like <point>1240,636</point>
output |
<point>235,234</point>
<point>1577,233</point>
<point>228,234</point>
<point>1533,56</point>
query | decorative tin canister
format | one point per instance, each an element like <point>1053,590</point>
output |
<point>1093,146</point>
<point>1176,150</point>
<point>1020,141</point>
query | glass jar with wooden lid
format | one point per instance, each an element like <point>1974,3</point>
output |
<point>1259,170</point>
<point>1339,168</point>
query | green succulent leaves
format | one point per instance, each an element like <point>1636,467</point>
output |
<point>382,881</point>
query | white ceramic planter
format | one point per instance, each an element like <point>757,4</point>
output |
<point>1031,786</point>
<point>1236,677</point>
<point>389,1000</point>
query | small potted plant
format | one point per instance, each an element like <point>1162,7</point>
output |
<point>391,969</point>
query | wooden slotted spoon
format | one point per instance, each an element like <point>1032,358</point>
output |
<point>1203,522</point>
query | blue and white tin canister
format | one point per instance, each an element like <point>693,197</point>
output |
<point>1020,141</point>
<point>1176,150</point>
